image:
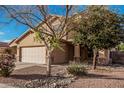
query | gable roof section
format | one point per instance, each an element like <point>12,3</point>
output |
<point>55,17</point>
<point>11,41</point>
<point>23,35</point>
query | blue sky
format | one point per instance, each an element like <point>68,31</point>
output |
<point>13,30</point>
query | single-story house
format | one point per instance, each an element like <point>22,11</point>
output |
<point>30,51</point>
<point>3,46</point>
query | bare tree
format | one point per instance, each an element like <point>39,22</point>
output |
<point>47,31</point>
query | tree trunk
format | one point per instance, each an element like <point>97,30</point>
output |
<point>49,61</point>
<point>94,58</point>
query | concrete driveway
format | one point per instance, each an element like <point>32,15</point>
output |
<point>21,65</point>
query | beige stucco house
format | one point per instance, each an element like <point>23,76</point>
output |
<point>30,51</point>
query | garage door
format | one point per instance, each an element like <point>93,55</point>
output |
<point>33,55</point>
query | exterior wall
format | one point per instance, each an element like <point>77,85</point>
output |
<point>77,56</point>
<point>70,53</point>
<point>104,57</point>
<point>70,35</point>
<point>117,57</point>
<point>84,54</point>
<point>18,55</point>
<point>60,56</point>
<point>29,41</point>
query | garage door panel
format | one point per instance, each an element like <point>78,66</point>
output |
<point>34,55</point>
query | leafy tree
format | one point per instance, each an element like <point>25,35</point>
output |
<point>122,29</point>
<point>96,27</point>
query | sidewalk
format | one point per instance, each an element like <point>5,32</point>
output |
<point>5,86</point>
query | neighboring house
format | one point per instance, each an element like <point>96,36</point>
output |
<point>104,57</point>
<point>30,51</point>
<point>3,46</point>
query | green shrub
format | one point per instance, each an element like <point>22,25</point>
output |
<point>6,65</point>
<point>76,69</point>
<point>121,47</point>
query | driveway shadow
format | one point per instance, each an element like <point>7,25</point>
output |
<point>98,76</point>
<point>31,76</point>
<point>39,76</point>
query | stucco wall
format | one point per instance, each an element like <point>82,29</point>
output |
<point>26,41</point>
<point>29,40</point>
<point>60,56</point>
<point>104,57</point>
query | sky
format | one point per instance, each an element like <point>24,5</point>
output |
<point>13,30</point>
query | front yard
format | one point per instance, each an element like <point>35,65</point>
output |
<point>35,77</point>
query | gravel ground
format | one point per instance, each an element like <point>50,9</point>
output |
<point>103,77</point>
<point>34,77</point>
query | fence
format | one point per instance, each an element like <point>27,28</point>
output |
<point>117,57</point>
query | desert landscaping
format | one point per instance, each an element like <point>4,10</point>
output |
<point>34,77</point>
<point>62,47</point>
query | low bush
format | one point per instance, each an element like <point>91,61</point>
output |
<point>121,47</point>
<point>76,69</point>
<point>6,65</point>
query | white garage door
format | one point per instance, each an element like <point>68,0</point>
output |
<point>33,55</point>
